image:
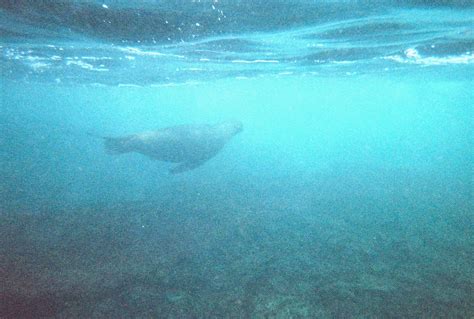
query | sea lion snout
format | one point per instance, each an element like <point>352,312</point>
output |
<point>233,126</point>
<point>239,127</point>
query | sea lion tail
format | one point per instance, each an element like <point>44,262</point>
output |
<point>95,135</point>
<point>113,145</point>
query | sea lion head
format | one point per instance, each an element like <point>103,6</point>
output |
<point>232,127</point>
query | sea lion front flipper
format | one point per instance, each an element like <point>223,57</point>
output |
<point>186,166</point>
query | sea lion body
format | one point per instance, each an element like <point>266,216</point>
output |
<point>189,145</point>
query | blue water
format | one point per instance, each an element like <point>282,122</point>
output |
<point>348,194</point>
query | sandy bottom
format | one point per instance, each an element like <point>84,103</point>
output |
<point>212,254</point>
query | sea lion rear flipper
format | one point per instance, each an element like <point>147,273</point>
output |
<point>186,166</point>
<point>116,145</point>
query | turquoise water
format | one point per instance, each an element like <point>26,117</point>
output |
<point>347,195</point>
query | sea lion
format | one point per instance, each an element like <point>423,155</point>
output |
<point>188,145</point>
